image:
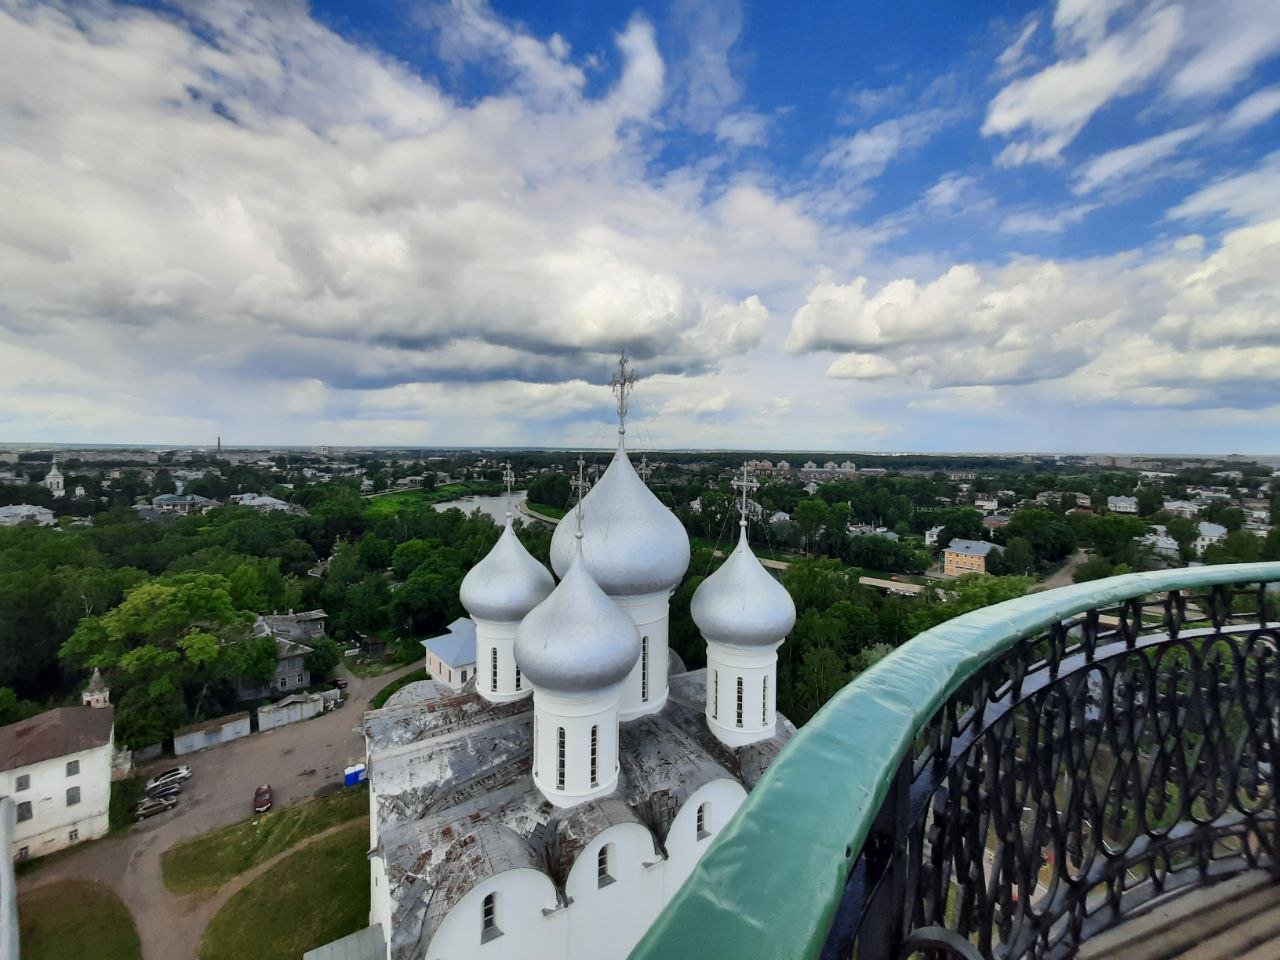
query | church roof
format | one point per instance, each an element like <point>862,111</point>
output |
<point>507,583</point>
<point>742,603</point>
<point>632,543</point>
<point>457,648</point>
<point>457,805</point>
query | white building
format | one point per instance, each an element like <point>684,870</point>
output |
<point>263,503</point>
<point>54,482</point>
<point>552,812</point>
<point>931,535</point>
<point>1209,533</point>
<point>56,767</point>
<point>987,505</point>
<point>1122,504</point>
<point>21,513</point>
<point>1181,508</point>
<point>451,657</point>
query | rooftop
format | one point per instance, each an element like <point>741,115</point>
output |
<point>457,648</point>
<point>54,733</point>
<point>972,548</point>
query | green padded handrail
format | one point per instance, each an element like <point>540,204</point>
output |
<point>769,886</point>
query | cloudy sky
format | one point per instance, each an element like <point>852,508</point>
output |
<point>830,225</point>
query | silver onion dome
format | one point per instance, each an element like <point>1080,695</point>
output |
<point>742,604</point>
<point>577,639</point>
<point>507,583</point>
<point>631,543</point>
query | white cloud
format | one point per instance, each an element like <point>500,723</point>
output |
<point>743,129</point>
<point>1253,195</point>
<point>861,366</point>
<point>1055,104</point>
<point>1133,159</point>
<point>1229,38</point>
<point>865,155</point>
<point>1046,221</point>
<point>1014,58</point>
<point>1258,107</point>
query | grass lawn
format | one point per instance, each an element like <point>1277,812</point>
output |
<point>314,896</point>
<point>386,504</point>
<point>382,695</point>
<point>547,510</point>
<point>375,668</point>
<point>208,861</point>
<point>98,927</point>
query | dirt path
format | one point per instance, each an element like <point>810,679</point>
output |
<point>299,761</point>
<point>1062,577</point>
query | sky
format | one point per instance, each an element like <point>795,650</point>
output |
<point>873,226</point>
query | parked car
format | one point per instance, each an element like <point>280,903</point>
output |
<point>262,798</point>
<point>339,683</point>
<point>172,775</point>
<point>164,790</point>
<point>153,805</point>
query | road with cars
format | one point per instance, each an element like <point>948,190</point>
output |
<point>300,761</point>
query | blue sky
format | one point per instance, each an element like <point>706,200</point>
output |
<point>875,226</point>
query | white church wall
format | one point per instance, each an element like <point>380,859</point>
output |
<point>379,895</point>
<point>497,638</point>
<point>606,921</point>
<point>645,691</point>
<point>720,800</point>
<point>527,922</point>
<point>576,714</point>
<point>756,667</point>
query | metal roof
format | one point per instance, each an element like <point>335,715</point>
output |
<point>366,944</point>
<point>457,648</point>
<point>54,733</point>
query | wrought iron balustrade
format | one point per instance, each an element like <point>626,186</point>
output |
<point>1011,782</point>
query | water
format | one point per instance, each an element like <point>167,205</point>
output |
<point>495,507</point>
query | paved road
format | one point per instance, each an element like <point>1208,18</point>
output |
<point>1062,577</point>
<point>298,761</point>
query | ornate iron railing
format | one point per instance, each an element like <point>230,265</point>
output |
<point>1011,782</point>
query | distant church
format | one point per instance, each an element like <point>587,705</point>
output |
<point>54,481</point>
<point>552,812</point>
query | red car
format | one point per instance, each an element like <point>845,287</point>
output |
<point>262,799</point>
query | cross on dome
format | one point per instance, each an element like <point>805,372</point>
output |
<point>622,383</point>
<point>580,486</point>
<point>509,478</point>
<point>644,469</point>
<point>745,483</point>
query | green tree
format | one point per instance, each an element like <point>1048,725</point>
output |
<point>323,659</point>
<point>1095,568</point>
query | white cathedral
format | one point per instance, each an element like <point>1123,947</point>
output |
<point>554,810</point>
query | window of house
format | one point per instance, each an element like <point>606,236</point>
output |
<point>595,745</point>
<point>644,669</point>
<point>73,767</point>
<point>603,878</point>
<point>284,683</point>
<point>764,701</point>
<point>24,811</point>
<point>739,716</point>
<point>493,668</point>
<point>73,836</point>
<point>489,918</point>
<point>560,758</point>
<point>464,674</point>
<point>23,782</point>
<point>715,694</point>
<point>299,679</point>
<point>73,796</point>
<point>703,832</point>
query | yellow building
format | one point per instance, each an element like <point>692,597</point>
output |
<point>966,556</point>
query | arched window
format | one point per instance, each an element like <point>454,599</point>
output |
<point>644,669</point>
<point>703,810</point>
<point>715,694</point>
<point>560,758</point>
<point>493,669</point>
<point>518,677</point>
<point>489,918</point>
<point>739,715</point>
<point>603,877</point>
<point>764,701</point>
<point>595,752</point>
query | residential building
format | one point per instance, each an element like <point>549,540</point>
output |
<point>20,513</point>
<point>1181,508</point>
<point>1122,504</point>
<point>183,503</point>
<point>56,767</point>
<point>987,504</point>
<point>931,535</point>
<point>291,631</point>
<point>966,556</point>
<point>451,657</point>
<point>264,503</point>
<point>1209,533</point>
<point>996,521</point>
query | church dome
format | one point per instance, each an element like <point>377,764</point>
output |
<point>577,639</point>
<point>507,583</point>
<point>631,543</point>
<point>742,604</point>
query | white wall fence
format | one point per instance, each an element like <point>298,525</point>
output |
<point>8,885</point>
<point>294,708</point>
<point>210,734</point>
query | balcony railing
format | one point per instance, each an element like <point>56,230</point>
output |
<point>1011,782</point>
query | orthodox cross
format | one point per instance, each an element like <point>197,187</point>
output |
<point>644,469</point>
<point>509,478</point>
<point>622,383</point>
<point>581,486</point>
<point>746,483</point>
